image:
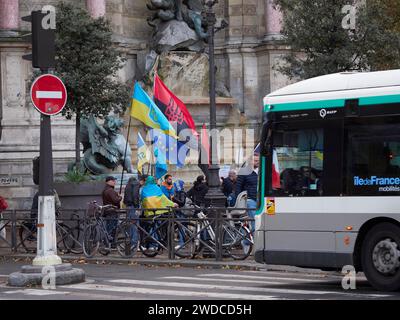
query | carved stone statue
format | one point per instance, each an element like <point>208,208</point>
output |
<point>188,11</point>
<point>104,146</point>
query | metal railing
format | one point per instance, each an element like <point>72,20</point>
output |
<point>178,232</point>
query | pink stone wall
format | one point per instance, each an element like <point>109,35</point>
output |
<point>9,14</point>
<point>273,18</point>
<point>96,8</point>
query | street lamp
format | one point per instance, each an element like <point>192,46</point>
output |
<point>214,197</point>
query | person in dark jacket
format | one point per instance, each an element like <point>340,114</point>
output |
<point>198,191</point>
<point>228,187</point>
<point>180,194</point>
<point>248,181</point>
<point>111,197</point>
<point>132,202</point>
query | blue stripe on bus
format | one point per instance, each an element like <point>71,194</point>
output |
<point>260,210</point>
<point>366,101</point>
<point>307,105</point>
<point>339,103</point>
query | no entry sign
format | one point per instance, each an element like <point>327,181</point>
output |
<point>48,94</point>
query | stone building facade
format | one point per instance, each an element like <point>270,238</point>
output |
<point>246,52</point>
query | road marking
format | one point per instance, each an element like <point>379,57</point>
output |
<point>257,277</point>
<point>323,276</point>
<point>48,94</point>
<point>170,293</point>
<point>275,283</point>
<point>36,292</point>
<point>284,273</point>
<point>218,287</point>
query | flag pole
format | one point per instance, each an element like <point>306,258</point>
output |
<point>126,149</point>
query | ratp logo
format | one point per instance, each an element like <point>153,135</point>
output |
<point>322,113</point>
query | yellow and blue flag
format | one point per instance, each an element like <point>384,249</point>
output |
<point>143,153</point>
<point>153,198</point>
<point>146,111</point>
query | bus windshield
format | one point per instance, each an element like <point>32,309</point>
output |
<point>298,157</point>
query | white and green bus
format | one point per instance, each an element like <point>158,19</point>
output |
<point>333,145</point>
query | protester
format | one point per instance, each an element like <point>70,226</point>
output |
<point>132,202</point>
<point>228,188</point>
<point>198,191</point>
<point>180,194</point>
<point>111,197</point>
<point>167,187</point>
<point>248,181</point>
<point>153,198</point>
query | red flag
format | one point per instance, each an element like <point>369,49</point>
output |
<point>172,107</point>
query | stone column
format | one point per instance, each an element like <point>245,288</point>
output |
<point>273,22</point>
<point>96,8</point>
<point>9,16</point>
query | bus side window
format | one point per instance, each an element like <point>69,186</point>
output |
<point>374,161</point>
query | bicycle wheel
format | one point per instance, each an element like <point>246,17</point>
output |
<point>126,247</point>
<point>62,232</point>
<point>148,245</point>
<point>184,240</point>
<point>28,237</point>
<point>91,240</point>
<point>239,242</point>
<point>73,241</point>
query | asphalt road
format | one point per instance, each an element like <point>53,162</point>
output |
<point>158,283</point>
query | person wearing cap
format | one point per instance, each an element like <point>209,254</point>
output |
<point>111,197</point>
<point>248,181</point>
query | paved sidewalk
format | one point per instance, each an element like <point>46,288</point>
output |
<point>248,264</point>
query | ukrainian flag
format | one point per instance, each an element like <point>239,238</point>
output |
<point>143,153</point>
<point>146,111</point>
<point>153,198</point>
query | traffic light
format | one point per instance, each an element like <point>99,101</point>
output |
<point>42,39</point>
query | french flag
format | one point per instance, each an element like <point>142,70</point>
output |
<point>276,180</point>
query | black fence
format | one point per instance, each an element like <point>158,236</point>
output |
<point>171,233</point>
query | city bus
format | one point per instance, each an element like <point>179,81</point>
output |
<point>329,182</point>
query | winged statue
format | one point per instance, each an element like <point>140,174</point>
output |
<point>104,145</point>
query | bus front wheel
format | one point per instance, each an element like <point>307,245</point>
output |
<point>380,257</point>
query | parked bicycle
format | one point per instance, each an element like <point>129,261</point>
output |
<point>154,235</point>
<point>96,237</point>
<point>237,240</point>
<point>68,235</point>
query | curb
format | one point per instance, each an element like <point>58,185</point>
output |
<point>196,263</point>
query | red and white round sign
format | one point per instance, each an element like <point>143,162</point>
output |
<point>48,94</point>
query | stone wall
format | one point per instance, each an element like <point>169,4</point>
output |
<point>245,54</point>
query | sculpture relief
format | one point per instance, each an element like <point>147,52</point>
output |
<point>188,14</point>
